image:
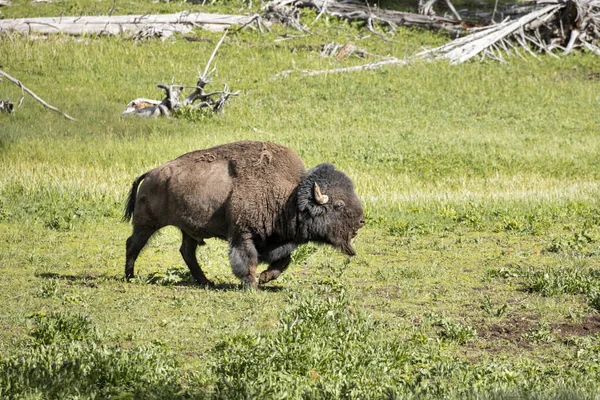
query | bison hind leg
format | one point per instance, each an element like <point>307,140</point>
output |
<point>135,244</point>
<point>188,252</point>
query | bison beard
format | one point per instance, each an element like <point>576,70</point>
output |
<point>255,195</point>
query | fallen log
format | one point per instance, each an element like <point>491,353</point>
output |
<point>118,24</point>
<point>353,10</point>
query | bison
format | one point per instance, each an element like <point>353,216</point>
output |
<point>256,195</point>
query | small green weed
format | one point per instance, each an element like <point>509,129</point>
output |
<point>488,306</point>
<point>172,276</point>
<point>594,299</point>
<point>48,288</point>
<point>451,330</point>
<point>302,254</point>
<point>193,114</point>
<point>542,334</point>
<point>505,272</point>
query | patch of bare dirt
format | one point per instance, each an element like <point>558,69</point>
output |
<point>588,327</point>
<point>511,329</point>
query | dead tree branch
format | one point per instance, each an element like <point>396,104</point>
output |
<point>213,100</point>
<point>24,89</point>
<point>355,10</point>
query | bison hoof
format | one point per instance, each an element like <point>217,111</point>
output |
<point>250,283</point>
<point>268,276</point>
<point>264,278</point>
<point>207,284</point>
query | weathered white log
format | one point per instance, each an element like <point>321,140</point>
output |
<point>103,28</point>
<point>5,3</point>
<point>141,106</point>
<point>468,47</point>
<point>181,22</point>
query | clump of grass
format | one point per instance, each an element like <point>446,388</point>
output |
<point>58,327</point>
<point>320,345</point>
<point>505,272</point>
<point>172,276</point>
<point>564,280</point>
<point>48,288</point>
<point>324,347</point>
<point>67,358</point>
<point>573,280</point>
<point>594,299</point>
<point>572,244</point>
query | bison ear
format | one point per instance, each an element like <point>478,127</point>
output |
<point>319,197</point>
<point>310,197</point>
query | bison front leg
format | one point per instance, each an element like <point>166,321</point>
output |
<point>275,269</point>
<point>244,259</point>
<point>188,252</point>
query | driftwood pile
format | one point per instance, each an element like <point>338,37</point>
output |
<point>552,26</point>
<point>197,99</point>
<point>549,26</point>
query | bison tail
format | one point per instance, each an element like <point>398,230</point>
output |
<point>131,200</point>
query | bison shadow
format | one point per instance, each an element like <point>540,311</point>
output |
<point>93,280</point>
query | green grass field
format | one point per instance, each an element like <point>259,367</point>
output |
<point>477,274</point>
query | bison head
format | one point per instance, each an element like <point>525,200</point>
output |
<point>330,211</point>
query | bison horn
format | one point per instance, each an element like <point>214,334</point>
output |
<point>319,197</point>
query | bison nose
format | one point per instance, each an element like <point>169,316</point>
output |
<point>361,223</point>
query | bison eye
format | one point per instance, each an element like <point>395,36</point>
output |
<point>339,204</point>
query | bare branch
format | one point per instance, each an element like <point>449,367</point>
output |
<point>213,54</point>
<point>364,67</point>
<point>451,7</point>
<point>23,88</point>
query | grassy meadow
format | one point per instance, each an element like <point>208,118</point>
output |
<point>477,274</point>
